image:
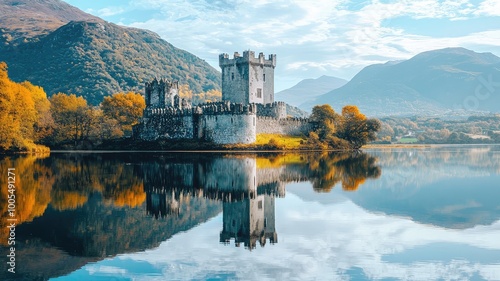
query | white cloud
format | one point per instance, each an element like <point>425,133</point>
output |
<point>489,8</point>
<point>311,39</point>
<point>110,11</point>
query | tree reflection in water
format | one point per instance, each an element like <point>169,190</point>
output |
<point>93,205</point>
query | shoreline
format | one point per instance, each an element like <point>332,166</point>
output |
<point>253,150</point>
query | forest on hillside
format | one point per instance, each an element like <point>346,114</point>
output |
<point>425,130</point>
<point>31,122</point>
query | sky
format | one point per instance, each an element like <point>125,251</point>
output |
<point>311,38</point>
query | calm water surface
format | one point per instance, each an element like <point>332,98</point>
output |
<point>400,214</point>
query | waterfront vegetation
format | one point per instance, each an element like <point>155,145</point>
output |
<point>32,122</point>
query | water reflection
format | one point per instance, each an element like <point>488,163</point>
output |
<point>99,197</point>
<point>82,208</point>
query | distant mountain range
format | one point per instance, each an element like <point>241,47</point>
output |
<point>63,49</point>
<point>431,83</point>
<point>309,89</point>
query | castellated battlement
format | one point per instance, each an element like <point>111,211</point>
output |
<point>225,107</point>
<point>276,109</point>
<point>216,108</point>
<point>248,57</point>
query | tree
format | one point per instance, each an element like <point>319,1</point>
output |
<point>351,130</point>
<point>185,92</point>
<point>21,105</point>
<point>44,123</point>
<point>327,120</point>
<point>356,128</point>
<point>126,109</point>
<point>73,118</point>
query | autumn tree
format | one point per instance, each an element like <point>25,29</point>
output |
<point>185,92</point>
<point>326,119</point>
<point>208,96</point>
<point>19,113</point>
<point>74,119</point>
<point>44,123</point>
<point>351,130</point>
<point>126,109</point>
<point>356,128</point>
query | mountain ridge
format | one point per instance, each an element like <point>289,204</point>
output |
<point>94,58</point>
<point>430,83</point>
<point>310,88</point>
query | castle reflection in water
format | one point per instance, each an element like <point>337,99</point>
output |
<point>246,191</point>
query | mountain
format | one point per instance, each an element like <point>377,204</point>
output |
<point>308,89</point>
<point>66,50</point>
<point>431,83</point>
<point>26,20</point>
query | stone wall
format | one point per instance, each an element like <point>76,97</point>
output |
<point>228,128</point>
<point>288,126</point>
<point>160,125</point>
<point>221,123</point>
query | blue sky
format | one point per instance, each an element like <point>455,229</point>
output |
<point>311,38</point>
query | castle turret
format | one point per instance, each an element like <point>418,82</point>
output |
<point>161,94</point>
<point>247,79</point>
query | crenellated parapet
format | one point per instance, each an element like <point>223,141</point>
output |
<point>247,58</point>
<point>167,111</point>
<point>226,107</point>
<point>276,109</point>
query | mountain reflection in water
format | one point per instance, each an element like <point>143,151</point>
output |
<point>404,214</point>
<point>82,207</point>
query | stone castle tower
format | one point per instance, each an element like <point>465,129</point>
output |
<point>161,94</point>
<point>246,79</point>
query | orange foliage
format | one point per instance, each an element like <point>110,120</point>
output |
<point>20,108</point>
<point>33,182</point>
<point>126,109</point>
<point>132,197</point>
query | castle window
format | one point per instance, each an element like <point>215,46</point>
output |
<point>254,121</point>
<point>259,93</point>
<point>260,205</point>
<point>264,77</point>
<point>232,75</point>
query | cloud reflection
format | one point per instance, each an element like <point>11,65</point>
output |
<point>327,242</point>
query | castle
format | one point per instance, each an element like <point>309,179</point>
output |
<point>247,194</point>
<point>247,108</point>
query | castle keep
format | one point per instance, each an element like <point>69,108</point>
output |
<point>247,106</point>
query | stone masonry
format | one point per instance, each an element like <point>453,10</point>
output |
<point>248,107</point>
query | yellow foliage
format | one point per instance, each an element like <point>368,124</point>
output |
<point>126,109</point>
<point>287,142</point>
<point>73,118</point>
<point>67,200</point>
<point>33,182</point>
<point>185,92</point>
<point>131,197</point>
<point>279,160</point>
<point>21,105</point>
<point>352,111</point>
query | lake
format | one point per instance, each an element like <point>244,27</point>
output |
<point>385,214</point>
